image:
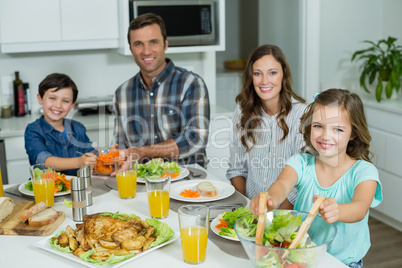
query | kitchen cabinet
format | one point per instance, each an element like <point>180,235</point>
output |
<point>17,160</point>
<point>385,124</point>
<point>56,25</point>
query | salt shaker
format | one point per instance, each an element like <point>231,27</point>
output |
<point>78,198</point>
<point>85,172</point>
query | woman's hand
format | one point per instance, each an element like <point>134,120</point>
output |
<point>329,209</point>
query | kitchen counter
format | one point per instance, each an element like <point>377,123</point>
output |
<point>15,126</point>
<point>13,247</point>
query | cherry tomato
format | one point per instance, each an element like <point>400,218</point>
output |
<point>292,266</point>
<point>285,244</point>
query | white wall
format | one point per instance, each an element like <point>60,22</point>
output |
<point>279,24</point>
<point>97,73</point>
<point>344,25</point>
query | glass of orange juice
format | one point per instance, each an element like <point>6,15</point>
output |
<point>126,175</point>
<point>193,221</point>
<point>158,191</point>
<point>42,176</point>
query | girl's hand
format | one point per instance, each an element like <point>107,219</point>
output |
<point>329,209</point>
<point>254,204</point>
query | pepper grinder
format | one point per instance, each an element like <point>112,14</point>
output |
<point>78,198</point>
<point>85,172</point>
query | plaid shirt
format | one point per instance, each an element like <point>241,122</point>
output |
<point>176,107</point>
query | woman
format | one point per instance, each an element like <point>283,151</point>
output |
<point>265,123</point>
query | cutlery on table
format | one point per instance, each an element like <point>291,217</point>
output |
<point>306,224</point>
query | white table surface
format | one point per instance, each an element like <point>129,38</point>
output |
<point>17,251</point>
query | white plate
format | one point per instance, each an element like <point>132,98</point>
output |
<point>184,172</point>
<point>45,245</point>
<point>25,191</point>
<point>224,190</point>
<point>216,231</point>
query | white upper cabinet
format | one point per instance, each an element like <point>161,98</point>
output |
<point>56,25</point>
<point>23,21</point>
<point>89,19</point>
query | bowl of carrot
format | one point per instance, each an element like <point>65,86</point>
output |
<point>105,162</point>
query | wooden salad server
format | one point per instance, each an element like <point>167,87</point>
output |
<point>262,210</point>
<point>306,224</point>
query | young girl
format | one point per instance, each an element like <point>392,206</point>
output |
<point>335,165</point>
<point>265,123</point>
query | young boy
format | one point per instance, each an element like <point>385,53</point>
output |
<point>53,139</point>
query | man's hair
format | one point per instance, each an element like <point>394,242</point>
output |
<point>58,81</point>
<point>146,20</point>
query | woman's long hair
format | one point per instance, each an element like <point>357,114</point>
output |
<point>251,104</point>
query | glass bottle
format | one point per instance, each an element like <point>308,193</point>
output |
<point>19,96</point>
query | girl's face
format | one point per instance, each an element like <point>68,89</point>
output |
<point>267,80</point>
<point>331,130</point>
<point>56,104</point>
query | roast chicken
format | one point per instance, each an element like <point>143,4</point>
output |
<point>108,234</point>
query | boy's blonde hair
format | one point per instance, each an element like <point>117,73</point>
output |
<point>359,145</point>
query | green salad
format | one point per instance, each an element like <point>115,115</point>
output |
<point>279,233</point>
<point>157,168</point>
<point>230,217</point>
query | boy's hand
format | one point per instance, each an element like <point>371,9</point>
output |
<point>329,209</point>
<point>87,159</point>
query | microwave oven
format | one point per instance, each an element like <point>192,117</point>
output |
<point>188,22</point>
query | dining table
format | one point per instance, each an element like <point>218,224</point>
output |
<point>20,251</point>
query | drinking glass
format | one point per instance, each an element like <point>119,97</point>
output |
<point>193,222</point>
<point>42,176</point>
<point>158,191</point>
<point>126,175</point>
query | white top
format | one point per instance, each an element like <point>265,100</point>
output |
<point>18,252</point>
<point>265,161</point>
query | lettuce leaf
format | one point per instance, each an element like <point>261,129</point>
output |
<point>163,231</point>
<point>171,167</point>
<point>232,216</point>
<point>157,168</point>
<point>112,259</point>
<point>226,231</point>
<point>53,243</point>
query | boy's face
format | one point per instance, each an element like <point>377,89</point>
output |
<point>56,104</point>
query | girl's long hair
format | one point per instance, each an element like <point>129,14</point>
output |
<point>251,104</point>
<point>359,145</point>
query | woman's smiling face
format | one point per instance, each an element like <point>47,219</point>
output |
<point>267,80</point>
<point>331,130</point>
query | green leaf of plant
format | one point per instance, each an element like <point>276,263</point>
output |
<point>378,91</point>
<point>388,89</point>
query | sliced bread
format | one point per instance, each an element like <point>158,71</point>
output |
<point>32,211</point>
<point>6,207</point>
<point>206,189</point>
<point>44,217</point>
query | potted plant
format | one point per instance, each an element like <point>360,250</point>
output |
<point>381,61</point>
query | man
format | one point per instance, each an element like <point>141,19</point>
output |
<point>163,111</point>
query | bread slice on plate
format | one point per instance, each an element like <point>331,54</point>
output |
<point>44,217</point>
<point>6,207</point>
<point>32,211</point>
<point>206,189</point>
